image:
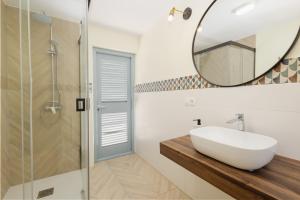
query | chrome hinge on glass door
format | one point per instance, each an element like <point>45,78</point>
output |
<point>82,104</point>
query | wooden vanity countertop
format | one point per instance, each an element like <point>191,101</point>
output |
<point>280,179</point>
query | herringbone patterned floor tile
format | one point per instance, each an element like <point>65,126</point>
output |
<point>130,177</point>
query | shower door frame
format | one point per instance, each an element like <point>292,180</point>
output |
<point>84,115</point>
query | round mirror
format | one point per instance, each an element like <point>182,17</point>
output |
<point>238,41</point>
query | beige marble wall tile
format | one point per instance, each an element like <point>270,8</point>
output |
<point>56,138</point>
<point>4,184</point>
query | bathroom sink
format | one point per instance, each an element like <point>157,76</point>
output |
<point>243,150</point>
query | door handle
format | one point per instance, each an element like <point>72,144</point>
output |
<point>80,104</point>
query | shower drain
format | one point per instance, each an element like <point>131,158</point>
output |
<point>45,193</point>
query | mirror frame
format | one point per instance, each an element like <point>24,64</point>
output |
<point>248,82</point>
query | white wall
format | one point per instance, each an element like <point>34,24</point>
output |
<point>112,39</point>
<point>165,52</point>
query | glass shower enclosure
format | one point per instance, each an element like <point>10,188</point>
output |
<point>44,99</point>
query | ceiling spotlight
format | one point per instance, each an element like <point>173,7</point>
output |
<point>186,14</point>
<point>244,8</point>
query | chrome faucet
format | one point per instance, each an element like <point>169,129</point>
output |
<point>240,119</point>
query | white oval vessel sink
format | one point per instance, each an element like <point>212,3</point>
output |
<point>243,150</point>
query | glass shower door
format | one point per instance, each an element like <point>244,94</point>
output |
<point>16,140</point>
<point>54,75</point>
<point>44,140</point>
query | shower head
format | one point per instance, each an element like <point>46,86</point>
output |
<point>42,18</point>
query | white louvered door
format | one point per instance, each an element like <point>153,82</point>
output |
<point>113,131</point>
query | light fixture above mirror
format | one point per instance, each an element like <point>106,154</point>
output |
<point>186,14</point>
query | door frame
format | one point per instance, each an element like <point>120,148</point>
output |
<point>131,96</point>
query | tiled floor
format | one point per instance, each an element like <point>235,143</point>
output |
<point>127,177</point>
<point>130,177</point>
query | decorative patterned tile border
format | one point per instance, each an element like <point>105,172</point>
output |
<point>287,71</point>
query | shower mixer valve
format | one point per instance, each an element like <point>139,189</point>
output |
<point>53,107</point>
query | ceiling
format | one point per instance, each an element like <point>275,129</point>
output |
<point>138,16</point>
<point>135,16</point>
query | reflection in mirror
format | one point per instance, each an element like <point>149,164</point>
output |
<point>254,36</point>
